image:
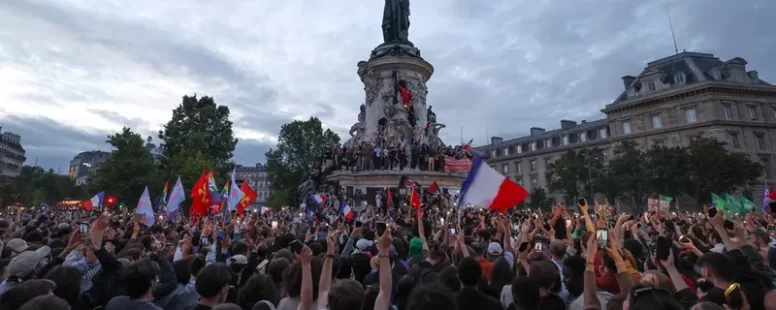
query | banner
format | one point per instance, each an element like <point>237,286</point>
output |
<point>457,165</point>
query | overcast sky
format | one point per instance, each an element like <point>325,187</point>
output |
<point>74,71</point>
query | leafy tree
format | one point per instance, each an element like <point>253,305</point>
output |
<point>576,172</point>
<point>667,169</point>
<point>128,170</point>
<point>199,116</point>
<point>35,186</point>
<point>711,168</point>
<point>190,164</point>
<point>628,170</point>
<point>538,199</point>
<point>300,150</point>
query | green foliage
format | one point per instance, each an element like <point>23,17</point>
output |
<point>575,172</point>
<point>35,186</point>
<point>201,117</point>
<point>190,164</point>
<point>128,170</point>
<point>703,167</point>
<point>300,150</point>
<point>538,199</point>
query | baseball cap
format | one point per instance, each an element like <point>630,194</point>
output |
<point>363,244</point>
<point>495,249</point>
<point>25,263</point>
<point>17,245</point>
<point>237,259</point>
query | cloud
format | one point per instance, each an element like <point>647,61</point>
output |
<point>501,66</point>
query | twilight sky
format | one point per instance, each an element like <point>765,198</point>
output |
<point>74,71</point>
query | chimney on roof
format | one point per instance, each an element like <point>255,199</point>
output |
<point>536,131</point>
<point>628,80</point>
<point>754,75</point>
<point>584,121</point>
<point>567,124</point>
<point>495,140</point>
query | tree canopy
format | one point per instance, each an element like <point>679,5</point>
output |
<point>35,186</point>
<point>199,117</point>
<point>128,170</point>
<point>300,151</point>
<point>703,167</point>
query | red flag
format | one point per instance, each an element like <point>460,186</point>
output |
<point>406,95</point>
<point>389,202</point>
<point>200,196</point>
<point>434,188</point>
<point>249,196</point>
<point>415,199</point>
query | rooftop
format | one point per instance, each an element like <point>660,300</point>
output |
<point>584,125</point>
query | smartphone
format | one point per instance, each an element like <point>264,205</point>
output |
<point>204,241</point>
<point>683,239</point>
<point>538,247</point>
<point>296,246</point>
<point>663,248</point>
<point>581,202</point>
<point>452,231</point>
<point>712,212</point>
<point>274,224</point>
<point>523,247</point>
<point>602,235</point>
<point>221,235</point>
<point>359,223</point>
<point>84,229</point>
<point>568,223</point>
<point>516,227</point>
<point>728,225</point>
<point>380,228</point>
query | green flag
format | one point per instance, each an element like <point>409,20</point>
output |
<point>732,205</point>
<point>717,202</point>
<point>665,201</point>
<point>748,205</point>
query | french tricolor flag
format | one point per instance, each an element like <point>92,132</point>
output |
<point>485,188</point>
<point>319,198</point>
<point>347,211</point>
<point>96,201</point>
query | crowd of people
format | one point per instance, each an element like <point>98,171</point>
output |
<point>395,156</point>
<point>412,259</point>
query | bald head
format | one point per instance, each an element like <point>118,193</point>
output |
<point>558,248</point>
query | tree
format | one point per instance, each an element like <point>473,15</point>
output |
<point>34,186</point>
<point>667,169</point>
<point>299,153</point>
<point>576,172</point>
<point>190,163</point>
<point>712,169</point>
<point>128,170</point>
<point>628,170</point>
<point>538,199</point>
<point>199,116</point>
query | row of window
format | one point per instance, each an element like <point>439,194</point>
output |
<point>590,135</point>
<point>690,116</point>
<point>534,182</point>
<point>759,138</point>
<point>505,168</point>
<point>727,111</point>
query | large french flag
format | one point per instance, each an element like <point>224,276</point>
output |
<point>319,198</point>
<point>485,188</point>
<point>96,201</point>
<point>347,211</point>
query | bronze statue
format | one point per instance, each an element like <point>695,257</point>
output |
<point>396,21</point>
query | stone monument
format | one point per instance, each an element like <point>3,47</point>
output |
<point>394,108</point>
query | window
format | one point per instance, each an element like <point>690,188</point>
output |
<point>548,143</point>
<point>602,133</point>
<point>689,115</point>
<point>773,108</point>
<point>656,121</point>
<point>533,165</point>
<point>566,138</point>
<point>520,181</point>
<point>505,168</point>
<point>734,140</point>
<point>651,86</point>
<point>760,141</point>
<point>493,153</point>
<point>752,112</point>
<point>766,168</point>
<point>658,143</point>
<point>533,146</point>
<point>506,152</point>
<point>534,182</point>
<point>727,111</point>
<point>518,168</point>
<point>582,137</point>
<point>679,78</point>
<point>626,127</point>
<point>512,150</point>
<point>547,162</point>
<point>519,149</point>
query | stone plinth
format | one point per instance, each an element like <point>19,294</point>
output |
<point>371,181</point>
<point>378,77</point>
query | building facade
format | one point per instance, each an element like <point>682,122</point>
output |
<point>86,164</point>
<point>671,102</point>
<point>256,176</point>
<point>12,155</point>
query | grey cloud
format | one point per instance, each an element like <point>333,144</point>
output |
<point>250,152</point>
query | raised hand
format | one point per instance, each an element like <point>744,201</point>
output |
<point>306,256</point>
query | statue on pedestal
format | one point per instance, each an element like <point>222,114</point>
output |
<point>357,130</point>
<point>396,21</point>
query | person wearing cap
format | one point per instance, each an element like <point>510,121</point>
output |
<point>24,267</point>
<point>361,258</point>
<point>17,246</point>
